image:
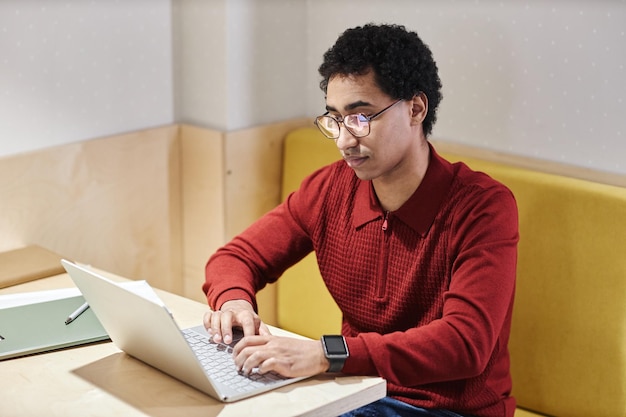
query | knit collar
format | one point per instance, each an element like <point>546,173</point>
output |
<point>419,211</point>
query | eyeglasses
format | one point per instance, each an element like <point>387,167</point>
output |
<point>357,124</point>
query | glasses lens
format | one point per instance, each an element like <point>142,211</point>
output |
<point>328,126</point>
<point>357,124</point>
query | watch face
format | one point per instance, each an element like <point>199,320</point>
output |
<point>335,345</point>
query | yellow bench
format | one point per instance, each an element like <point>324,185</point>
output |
<point>568,341</point>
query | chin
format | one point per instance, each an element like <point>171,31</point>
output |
<point>365,176</point>
<point>362,173</point>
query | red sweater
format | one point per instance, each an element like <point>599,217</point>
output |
<point>426,291</point>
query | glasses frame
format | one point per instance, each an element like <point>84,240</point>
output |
<point>340,121</point>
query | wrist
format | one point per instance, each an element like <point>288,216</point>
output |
<point>235,294</point>
<point>335,351</point>
<point>236,304</point>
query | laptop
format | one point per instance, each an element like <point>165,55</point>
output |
<point>143,327</point>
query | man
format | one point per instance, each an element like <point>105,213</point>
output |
<point>419,254</point>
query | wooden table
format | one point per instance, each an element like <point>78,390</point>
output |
<point>101,380</point>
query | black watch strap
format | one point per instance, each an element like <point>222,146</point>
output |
<point>336,351</point>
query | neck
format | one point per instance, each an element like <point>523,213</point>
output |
<point>394,190</point>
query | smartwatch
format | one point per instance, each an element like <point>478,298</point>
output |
<point>336,351</point>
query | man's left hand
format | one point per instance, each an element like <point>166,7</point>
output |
<point>286,356</point>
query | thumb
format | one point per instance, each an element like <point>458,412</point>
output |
<point>264,330</point>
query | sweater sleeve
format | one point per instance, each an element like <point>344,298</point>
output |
<point>261,253</point>
<point>477,306</point>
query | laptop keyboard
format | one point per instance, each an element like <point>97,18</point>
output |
<point>217,361</point>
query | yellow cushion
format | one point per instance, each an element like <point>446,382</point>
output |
<point>520,412</point>
<point>568,341</point>
<point>303,303</point>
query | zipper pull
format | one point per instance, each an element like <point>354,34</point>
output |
<point>385,224</point>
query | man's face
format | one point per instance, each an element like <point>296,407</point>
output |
<point>388,152</point>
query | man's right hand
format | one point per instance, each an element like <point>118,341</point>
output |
<point>234,313</point>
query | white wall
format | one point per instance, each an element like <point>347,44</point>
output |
<point>200,62</point>
<point>72,70</point>
<point>242,63</point>
<point>541,79</point>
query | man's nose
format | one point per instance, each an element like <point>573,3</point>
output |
<point>346,140</point>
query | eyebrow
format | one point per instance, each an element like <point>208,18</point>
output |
<point>350,106</point>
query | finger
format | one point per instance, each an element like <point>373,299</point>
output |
<point>250,343</point>
<point>247,354</point>
<point>248,325</point>
<point>206,320</point>
<point>226,327</point>
<point>253,362</point>
<point>239,357</point>
<point>216,326</point>
<point>264,330</point>
<point>267,365</point>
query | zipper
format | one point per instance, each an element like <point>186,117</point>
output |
<point>384,260</point>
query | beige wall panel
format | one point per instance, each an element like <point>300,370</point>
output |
<point>229,180</point>
<point>253,162</point>
<point>111,202</point>
<point>203,203</point>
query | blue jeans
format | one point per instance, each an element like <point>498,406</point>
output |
<point>389,407</point>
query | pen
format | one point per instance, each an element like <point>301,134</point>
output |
<point>80,310</point>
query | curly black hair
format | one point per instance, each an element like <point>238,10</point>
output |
<point>403,65</point>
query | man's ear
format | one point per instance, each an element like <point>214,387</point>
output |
<point>419,108</point>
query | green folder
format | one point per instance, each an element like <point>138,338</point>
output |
<point>40,327</point>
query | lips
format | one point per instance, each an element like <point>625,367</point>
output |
<point>355,161</point>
